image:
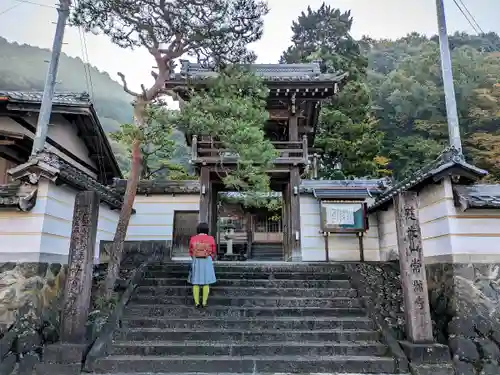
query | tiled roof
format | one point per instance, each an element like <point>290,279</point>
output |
<point>269,72</point>
<point>449,159</point>
<point>343,189</point>
<point>96,140</point>
<point>60,98</point>
<point>348,187</point>
<point>477,196</point>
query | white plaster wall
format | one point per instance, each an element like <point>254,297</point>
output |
<point>58,219</point>
<point>58,204</point>
<point>436,203</point>
<point>387,232</point>
<point>154,217</point>
<point>341,246</point>
<point>21,232</point>
<point>446,231</point>
<point>44,233</point>
<point>475,234</point>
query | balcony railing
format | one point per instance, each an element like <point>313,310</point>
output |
<point>210,151</point>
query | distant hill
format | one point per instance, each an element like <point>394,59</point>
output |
<point>23,67</point>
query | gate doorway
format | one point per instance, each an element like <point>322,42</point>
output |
<point>184,228</point>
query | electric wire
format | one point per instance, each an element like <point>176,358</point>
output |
<point>471,16</point>
<point>473,23</point>
<point>35,3</point>
<point>9,9</point>
<point>466,17</point>
<point>90,88</point>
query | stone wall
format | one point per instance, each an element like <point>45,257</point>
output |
<point>380,284</point>
<point>465,304</point>
<point>30,302</point>
<point>135,254</point>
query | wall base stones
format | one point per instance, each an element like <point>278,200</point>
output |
<point>380,284</point>
<point>465,304</point>
<point>30,302</point>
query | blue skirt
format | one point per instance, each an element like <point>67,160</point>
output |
<point>202,271</point>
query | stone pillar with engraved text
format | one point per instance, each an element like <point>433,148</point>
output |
<point>411,260</point>
<point>80,268</point>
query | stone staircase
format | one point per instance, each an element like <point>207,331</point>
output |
<point>261,319</point>
<point>267,252</point>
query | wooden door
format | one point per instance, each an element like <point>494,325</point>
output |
<point>185,223</point>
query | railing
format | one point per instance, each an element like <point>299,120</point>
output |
<point>210,151</point>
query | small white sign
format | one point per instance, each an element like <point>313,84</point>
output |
<point>340,214</point>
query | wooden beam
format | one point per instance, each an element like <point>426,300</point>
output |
<point>280,114</point>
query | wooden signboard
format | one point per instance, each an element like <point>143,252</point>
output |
<point>343,217</point>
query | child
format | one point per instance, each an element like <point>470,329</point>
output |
<point>202,250</point>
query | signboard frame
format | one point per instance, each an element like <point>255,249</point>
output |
<point>360,224</point>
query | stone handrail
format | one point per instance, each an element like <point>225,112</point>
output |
<point>100,346</point>
<point>389,324</point>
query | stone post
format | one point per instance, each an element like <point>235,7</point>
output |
<point>413,276</point>
<point>80,268</point>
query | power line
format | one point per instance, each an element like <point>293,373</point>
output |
<point>9,9</point>
<point>90,87</point>
<point>472,17</point>
<point>474,24</point>
<point>35,3</point>
<point>466,16</point>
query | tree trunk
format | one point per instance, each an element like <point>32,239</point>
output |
<point>116,248</point>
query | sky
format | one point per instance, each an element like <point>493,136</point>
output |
<point>33,22</point>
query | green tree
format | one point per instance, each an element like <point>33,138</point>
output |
<point>347,133</point>
<point>232,109</point>
<point>157,145</point>
<point>213,32</point>
<point>411,103</point>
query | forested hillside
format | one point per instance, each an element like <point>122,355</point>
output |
<point>404,77</point>
<point>391,116</point>
<point>23,67</point>
<point>393,112</point>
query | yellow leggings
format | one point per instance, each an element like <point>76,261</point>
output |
<point>196,294</point>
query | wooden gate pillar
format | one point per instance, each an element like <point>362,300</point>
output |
<point>205,195</point>
<point>294,194</point>
<point>287,251</point>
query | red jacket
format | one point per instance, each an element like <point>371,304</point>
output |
<point>204,239</point>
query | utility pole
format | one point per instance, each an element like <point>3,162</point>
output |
<point>449,88</point>
<point>42,125</point>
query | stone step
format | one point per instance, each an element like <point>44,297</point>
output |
<point>262,253</point>
<point>160,334</point>
<point>333,302</point>
<point>229,348</point>
<point>241,373</point>
<point>183,274</point>
<point>266,252</point>
<point>267,257</point>
<point>237,291</point>
<point>247,364</point>
<point>259,324</point>
<point>240,312</point>
<point>256,267</point>
<point>263,283</point>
